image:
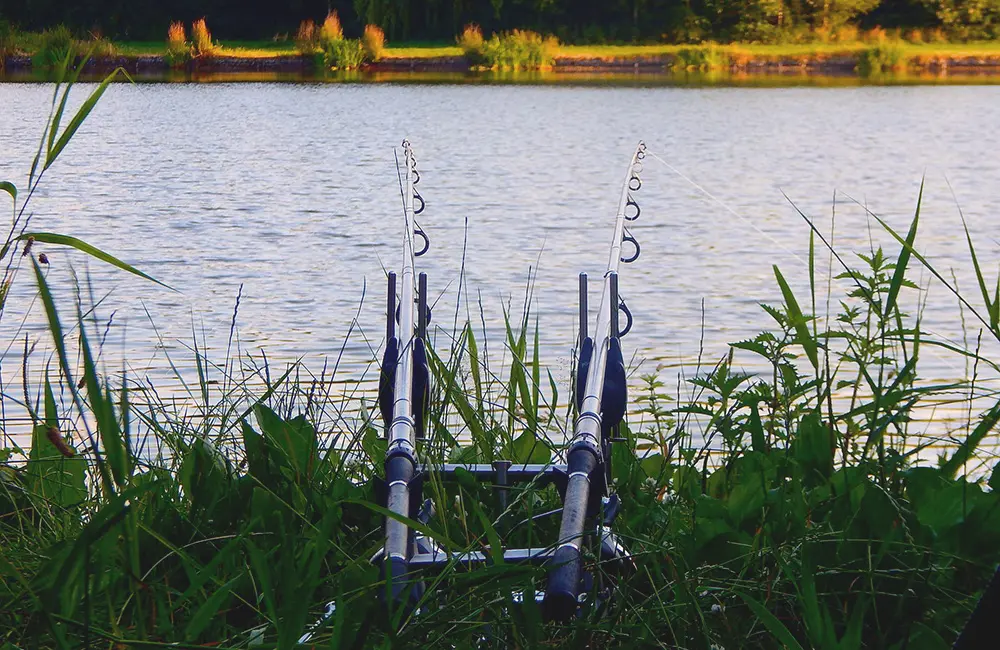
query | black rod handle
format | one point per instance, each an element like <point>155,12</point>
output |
<point>584,311</point>
<point>566,566</point>
<point>422,306</point>
<point>613,283</point>
<point>390,308</point>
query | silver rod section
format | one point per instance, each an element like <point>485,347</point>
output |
<point>588,424</point>
<point>400,455</point>
<point>402,428</point>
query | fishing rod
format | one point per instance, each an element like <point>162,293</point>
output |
<point>404,386</point>
<point>601,397</point>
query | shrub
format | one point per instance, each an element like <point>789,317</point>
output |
<point>472,44</point>
<point>343,54</point>
<point>307,38</point>
<point>702,58</point>
<point>519,50</point>
<point>54,46</point>
<point>331,31</point>
<point>202,38</point>
<point>178,49</point>
<point>884,57</point>
<point>373,42</point>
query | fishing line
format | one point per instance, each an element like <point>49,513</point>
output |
<point>940,357</point>
<point>729,209</point>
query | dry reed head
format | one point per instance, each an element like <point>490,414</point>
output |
<point>373,42</point>
<point>471,38</point>
<point>176,35</point>
<point>306,39</point>
<point>202,38</point>
<point>331,29</point>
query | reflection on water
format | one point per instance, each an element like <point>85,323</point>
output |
<point>793,76</point>
<point>289,191</point>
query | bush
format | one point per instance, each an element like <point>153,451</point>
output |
<point>703,58</point>
<point>202,38</point>
<point>343,54</point>
<point>54,46</point>
<point>884,57</point>
<point>373,42</point>
<point>472,44</point>
<point>307,38</point>
<point>518,50</point>
<point>178,49</point>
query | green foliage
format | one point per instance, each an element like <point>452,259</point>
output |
<point>967,19</point>
<point>701,58</point>
<point>343,54</point>
<point>887,56</point>
<point>514,50</point>
<point>56,45</point>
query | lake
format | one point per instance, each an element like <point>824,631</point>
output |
<point>290,191</point>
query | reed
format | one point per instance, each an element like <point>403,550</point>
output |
<point>331,31</point>
<point>178,48</point>
<point>307,38</point>
<point>514,50</point>
<point>202,45</point>
<point>472,44</point>
<point>373,42</point>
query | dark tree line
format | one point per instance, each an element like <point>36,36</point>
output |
<point>570,20</point>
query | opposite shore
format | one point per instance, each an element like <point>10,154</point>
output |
<point>822,59</point>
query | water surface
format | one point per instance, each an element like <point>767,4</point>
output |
<point>290,190</point>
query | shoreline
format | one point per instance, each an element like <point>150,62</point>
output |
<point>741,62</point>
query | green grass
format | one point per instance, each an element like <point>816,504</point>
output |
<point>788,509</point>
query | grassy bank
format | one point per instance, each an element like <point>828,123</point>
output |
<point>873,52</point>
<point>798,508</point>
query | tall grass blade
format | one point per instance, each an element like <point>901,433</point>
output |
<point>75,123</point>
<point>904,258</point>
<point>970,444</point>
<point>93,251</point>
<point>802,334</point>
<point>9,188</point>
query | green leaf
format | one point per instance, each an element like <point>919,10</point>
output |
<point>295,439</point>
<point>904,258</point>
<point>113,439</point>
<point>971,443</point>
<point>9,188</point>
<point>814,449</point>
<point>209,610</point>
<point>75,123</point>
<point>771,622</point>
<point>66,240</point>
<point>526,448</point>
<point>802,335</point>
<point>57,475</point>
